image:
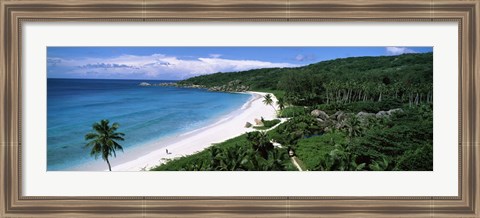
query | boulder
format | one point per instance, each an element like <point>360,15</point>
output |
<point>381,114</point>
<point>339,115</point>
<point>315,113</point>
<point>340,124</point>
<point>234,82</point>
<point>364,117</point>
<point>166,84</point>
<point>248,125</point>
<point>319,114</point>
<point>396,110</point>
<point>276,144</point>
<point>145,84</point>
<point>365,114</point>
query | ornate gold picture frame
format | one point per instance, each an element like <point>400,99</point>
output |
<point>14,13</point>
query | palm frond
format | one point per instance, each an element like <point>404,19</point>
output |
<point>102,140</point>
<point>91,135</point>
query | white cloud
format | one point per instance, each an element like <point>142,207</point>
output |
<point>156,66</point>
<point>215,55</point>
<point>399,50</point>
<point>303,57</point>
<point>299,57</point>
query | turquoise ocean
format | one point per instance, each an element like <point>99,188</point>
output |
<point>145,114</point>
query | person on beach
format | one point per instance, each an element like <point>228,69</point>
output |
<point>166,150</point>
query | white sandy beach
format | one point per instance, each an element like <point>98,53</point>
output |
<point>198,140</point>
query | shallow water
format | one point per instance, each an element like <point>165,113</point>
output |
<point>145,114</point>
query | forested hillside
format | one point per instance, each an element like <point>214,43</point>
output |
<point>359,113</point>
<point>404,76</point>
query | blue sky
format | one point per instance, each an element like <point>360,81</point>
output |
<point>173,63</point>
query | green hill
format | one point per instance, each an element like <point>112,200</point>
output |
<point>404,76</point>
<point>360,113</point>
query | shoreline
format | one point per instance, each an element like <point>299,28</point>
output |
<point>227,127</point>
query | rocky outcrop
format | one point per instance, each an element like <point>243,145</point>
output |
<point>388,113</point>
<point>319,114</point>
<point>393,111</point>
<point>229,89</point>
<point>232,86</point>
<point>158,84</point>
<point>340,124</point>
<point>248,125</point>
<point>339,116</point>
<point>167,84</point>
<point>193,86</point>
<point>381,114</point>
<point>363,116</point>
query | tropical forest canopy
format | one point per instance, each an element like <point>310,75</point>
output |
<point>359,113</point>
<point>316,83</point>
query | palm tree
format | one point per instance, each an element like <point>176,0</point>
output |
<point>339,157</point>
<point>281,103</point>
<point>228,159</point>
<point>353,126</point>
<point>275,161</point>
<point>215,157</point>
<point>267,99</point>
<point>104,140</point>
<point>381,90</point>
<point>260,143</point>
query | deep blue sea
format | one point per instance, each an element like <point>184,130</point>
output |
<point>145,114</point>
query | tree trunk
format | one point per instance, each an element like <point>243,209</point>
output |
<point>274,108</point>
<point>108,162</point>
<point>327,95</point>
<point>349,96</point>
<point>410,100</point>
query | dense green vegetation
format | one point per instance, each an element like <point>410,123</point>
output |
<point>251,151</point>
<point>405,77</point>
<point>267,124</point>
<point>362,113</point>
<point>400,142</point>
<point>293,111</point>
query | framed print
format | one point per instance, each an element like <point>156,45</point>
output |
<point>234,108</point>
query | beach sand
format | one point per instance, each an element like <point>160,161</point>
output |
<point>197,140</point>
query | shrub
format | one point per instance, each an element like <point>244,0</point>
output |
<point>267,124</point>
<point>313,151</point>
<point>293,111</point>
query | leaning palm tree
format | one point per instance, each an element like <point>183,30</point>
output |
<point>281,103</point>
<point>104,140</point>
<point>267,99</point>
